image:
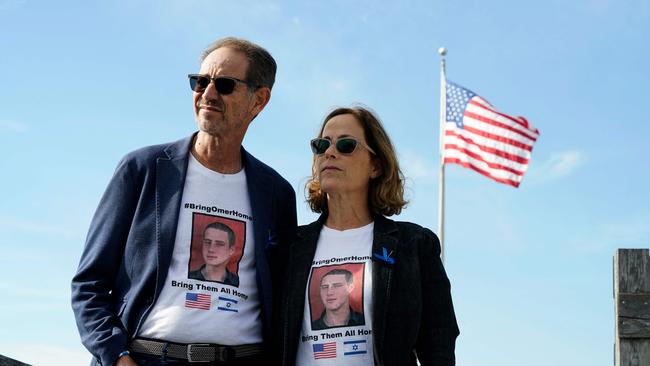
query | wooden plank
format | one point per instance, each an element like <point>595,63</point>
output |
<point>634,328</point>
<point>633,267</point>
<point>633,315</point>
<point>632,306</point>
<point>634,352</point>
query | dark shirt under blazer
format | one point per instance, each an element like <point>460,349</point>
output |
<point>131,240</point>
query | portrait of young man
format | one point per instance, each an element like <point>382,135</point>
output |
<point>335,289</point>
<point>218,243</point>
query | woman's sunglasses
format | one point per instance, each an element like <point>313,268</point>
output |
<point>224,84</point>
<point>344,145</point>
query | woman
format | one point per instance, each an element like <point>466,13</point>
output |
<point>362,289</point>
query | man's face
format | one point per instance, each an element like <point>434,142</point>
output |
<point>216,250</point>
<point>335,291</point>
<point>225,116</point>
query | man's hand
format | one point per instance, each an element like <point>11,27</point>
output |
<point>125,360</point>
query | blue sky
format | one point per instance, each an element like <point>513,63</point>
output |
<point>82,83</point>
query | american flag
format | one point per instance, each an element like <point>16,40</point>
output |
<point>324,350</point>
<point>197,301</point>
<point>479,137</point>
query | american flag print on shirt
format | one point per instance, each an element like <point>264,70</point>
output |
<point>324,350</point>
<point>478,137</point>
<point>197,301</point>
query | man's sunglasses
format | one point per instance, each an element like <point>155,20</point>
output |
<point>344,145</point>
<point>224,84</point>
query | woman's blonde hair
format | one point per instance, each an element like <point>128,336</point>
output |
<point>386,191</point>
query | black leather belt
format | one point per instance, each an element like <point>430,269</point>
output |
<point>194,352</point>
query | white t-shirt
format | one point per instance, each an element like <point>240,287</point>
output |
<point>214,235</point>
<point>337,323</point>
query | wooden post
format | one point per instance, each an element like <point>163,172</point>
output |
<point>632,304</point>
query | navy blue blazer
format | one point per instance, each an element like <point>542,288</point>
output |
<point>131,239</point>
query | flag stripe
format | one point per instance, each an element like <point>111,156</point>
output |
<point>499,138</point>
<point>489,143</point>
<point>519,121</point>
<point>500,124</point>
<point>478,157</point>
<point>476,169</point>
<point>451,137</point>
<point>481,164</point>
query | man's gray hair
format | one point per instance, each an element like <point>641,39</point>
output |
<point>261,65</point>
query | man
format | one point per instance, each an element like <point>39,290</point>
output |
<point>131,296</point>
<point>218,245</point>
<point>335,288</point>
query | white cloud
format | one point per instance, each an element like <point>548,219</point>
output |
<point>560,164</point>
<point>12,126</point>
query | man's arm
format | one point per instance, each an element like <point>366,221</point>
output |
<point>94,301</point>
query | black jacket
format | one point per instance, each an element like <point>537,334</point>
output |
<point>411,299</point>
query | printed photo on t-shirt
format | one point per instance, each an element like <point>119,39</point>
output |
<point>216,249</point>
<point>336,296</point>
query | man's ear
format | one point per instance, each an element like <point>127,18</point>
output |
<point>260,98</point>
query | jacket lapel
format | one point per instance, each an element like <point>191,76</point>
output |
<point>302,251</point>
<point>260,194</point>
<point>384,256</point>
<point>170,179</point>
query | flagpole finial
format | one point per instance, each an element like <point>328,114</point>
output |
<point>442,51</point>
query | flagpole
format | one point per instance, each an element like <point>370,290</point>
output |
<point>441,183</point>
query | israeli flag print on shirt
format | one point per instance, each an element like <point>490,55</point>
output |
<point>227,304</point>
<point>355,347</point>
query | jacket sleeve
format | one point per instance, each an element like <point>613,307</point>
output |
<point>94,304</point>
<point>438,330</point>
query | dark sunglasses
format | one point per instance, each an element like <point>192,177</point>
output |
<point>224,84</point>
<point>344,145</point>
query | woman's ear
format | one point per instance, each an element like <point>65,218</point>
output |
<point>375,170</point>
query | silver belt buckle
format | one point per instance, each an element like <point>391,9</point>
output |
<point>200,352</point>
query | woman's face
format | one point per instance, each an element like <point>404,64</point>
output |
<point>345,173</point>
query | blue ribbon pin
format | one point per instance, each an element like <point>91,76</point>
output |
<point>384,256</point>
<point>272,240</point>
